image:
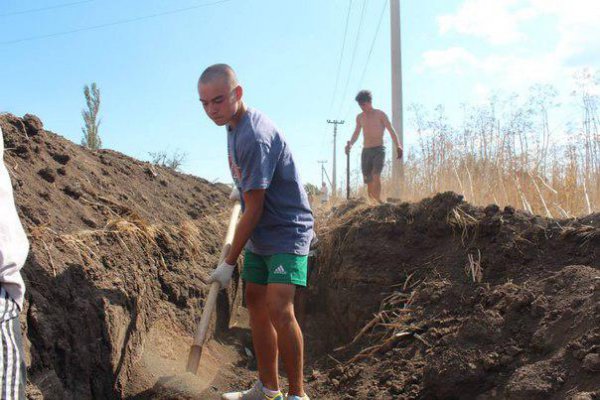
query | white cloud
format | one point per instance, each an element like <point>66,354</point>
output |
<point>576,42</point>
<point>508,71</point>
<point>512,72</point>
<point>578,27</point>
<point>494,20</point>
<point>501,21</point>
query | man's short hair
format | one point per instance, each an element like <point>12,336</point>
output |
<point>219,71</point>
<point>364,96</point>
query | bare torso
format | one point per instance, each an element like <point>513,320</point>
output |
<point>373,124</point>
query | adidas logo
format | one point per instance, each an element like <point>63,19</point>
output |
<point>280,270</point>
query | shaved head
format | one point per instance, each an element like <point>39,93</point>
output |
<point>221,94</point>
<point>219,73</point>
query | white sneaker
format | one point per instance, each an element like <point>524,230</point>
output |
<point>305,397</point>
<point>256,393</point>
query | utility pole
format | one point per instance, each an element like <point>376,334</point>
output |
<point>334,183</point>
<point>327,176</point>
<point>397,164</point>
<point>322,163</point>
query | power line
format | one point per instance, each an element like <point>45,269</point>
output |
<point>34,10</point>
<point>337,78</point>
<point>362,15</point>
<point>122,22</point>
<point>362,77</point>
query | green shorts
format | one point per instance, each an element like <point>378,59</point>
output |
<point>278,268</point>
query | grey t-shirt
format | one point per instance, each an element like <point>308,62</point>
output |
<point>260,158</point>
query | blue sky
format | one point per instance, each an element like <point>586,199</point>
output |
<point>286,54</point>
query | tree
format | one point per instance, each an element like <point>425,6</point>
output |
<point>174,162</point>
<point>311,190</point>
<point>91,138</point>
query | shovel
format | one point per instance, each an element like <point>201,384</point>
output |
<point>211,300</point>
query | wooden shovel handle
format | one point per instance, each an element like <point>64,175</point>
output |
<point>211,300</point>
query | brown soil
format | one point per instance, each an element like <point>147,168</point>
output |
<point>529,330</point>
<point>121,250</point>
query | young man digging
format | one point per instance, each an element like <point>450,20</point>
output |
<point>373,122</point>
<point>276,229</point>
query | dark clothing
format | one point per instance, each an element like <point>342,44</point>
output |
<point>372,162</point>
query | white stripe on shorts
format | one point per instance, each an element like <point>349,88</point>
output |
<point>2,312</point>
<point>16,357</point>
<point>8,363</point>
<point>10,354</point>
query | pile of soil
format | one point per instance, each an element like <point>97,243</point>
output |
<point>443,300</point>
<point>120,255</point>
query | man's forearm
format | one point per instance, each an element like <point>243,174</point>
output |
<point>243,232</point>
<point>395,137</point>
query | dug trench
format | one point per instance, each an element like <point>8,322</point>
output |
<point>434,300</point>
<point>444,300</point>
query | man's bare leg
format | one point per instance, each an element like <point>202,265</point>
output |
<point>370,190</point>
<point>280,300</point>
<point>264,336</point>
<point>376,188</point>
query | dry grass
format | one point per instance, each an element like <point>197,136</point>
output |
<point>134,235</point>
<point>473,268</point>
<point>458,219</point>
<point>506,153</point>
<point>397,320</point>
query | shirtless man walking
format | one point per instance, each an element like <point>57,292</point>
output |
<point>372,122</point>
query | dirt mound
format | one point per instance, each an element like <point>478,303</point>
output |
<point>442,300</point>
<point>435,300</point>
<point>120,254</point>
